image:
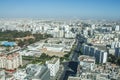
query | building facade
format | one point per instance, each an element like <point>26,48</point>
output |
<point>53,65</point>
<point>10,61</point>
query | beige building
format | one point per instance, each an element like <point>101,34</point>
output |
<point>10,61</point>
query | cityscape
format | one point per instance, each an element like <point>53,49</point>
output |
<point>59,40</point>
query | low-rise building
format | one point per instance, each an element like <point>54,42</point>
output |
<point>87,62</point>
<point>37,72</point>
<point>73,78</point>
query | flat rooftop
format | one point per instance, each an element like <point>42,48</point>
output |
<point>53,61</point>
<point>86,58</point>
<point>100,47</point>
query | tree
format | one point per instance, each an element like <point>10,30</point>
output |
<point>21,43</point>
<point>112,58</point>
<point>30,41</point>
<point>118,61</point>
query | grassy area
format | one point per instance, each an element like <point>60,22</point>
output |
<point>38,60</point>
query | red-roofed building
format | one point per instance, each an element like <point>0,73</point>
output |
<point>10,61</point>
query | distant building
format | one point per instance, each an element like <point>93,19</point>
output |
<point>117,52</point>
<point>53,65</point>
<point>69,34</point>
<point>61,33</point>
<point>93,26</point>
<point>85,33</point>
<point>117,28</point>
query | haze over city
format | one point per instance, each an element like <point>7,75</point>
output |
<point>59,39</point>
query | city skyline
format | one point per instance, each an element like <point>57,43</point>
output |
<point>60,8</point>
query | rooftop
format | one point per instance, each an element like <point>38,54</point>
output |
<point>53,61</point>
<point>86,58</point>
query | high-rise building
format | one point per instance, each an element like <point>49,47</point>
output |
<point>115,44</point>
<point>86,50</point>
<point>93,26</point>
<point>100,55</point>
<point>97,56</point>
<point>85,33</point>
<point>61,33</point>
<point>117,28</point>
<point>92,51</point>
<point>117,52</point>
<point>53,65</point>
<point>103,57</point>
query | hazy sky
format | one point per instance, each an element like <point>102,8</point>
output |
<point>60,8</point>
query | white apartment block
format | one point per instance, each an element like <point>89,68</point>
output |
<point>10,61</point>
<point>53,65</point>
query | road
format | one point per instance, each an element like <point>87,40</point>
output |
<point>70,67</point>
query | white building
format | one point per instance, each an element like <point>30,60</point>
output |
<point>61,33</point>
<point>69,34</point>
<point>10,61</point>
<point>53,65</point>
<point>2,75</point>
<point>93,26</point>
<point>85,33</point>
<point>32,72</point>
<point>117,28</point>
<point>104,54</point>
<point>87,62</point>
<point>100,56</point>
<point>20,74</point>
